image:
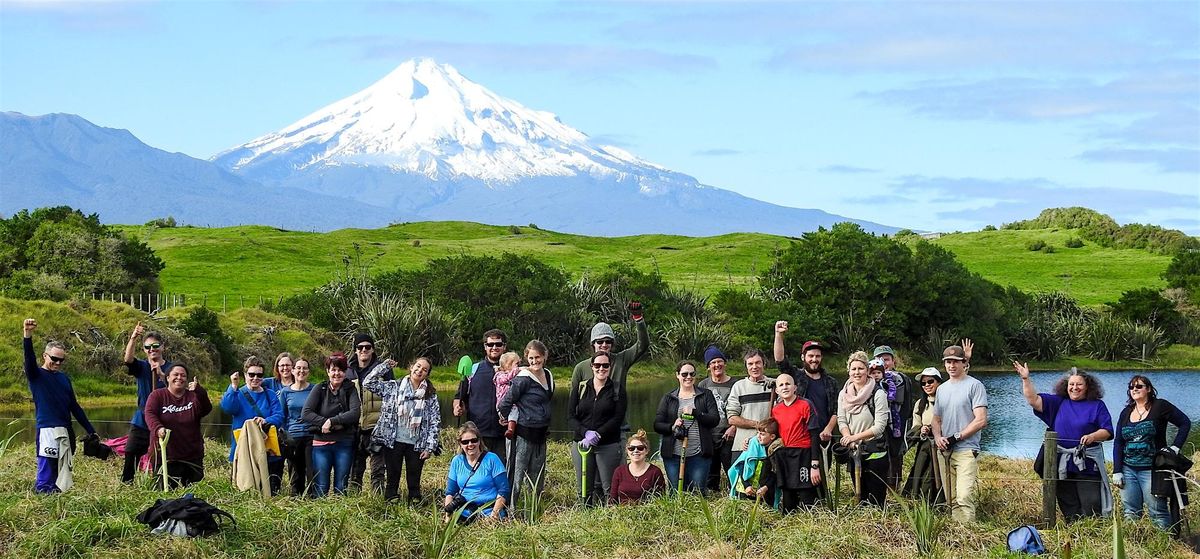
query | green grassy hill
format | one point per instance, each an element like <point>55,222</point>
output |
<point>262,261</point>
<point>1091,274</point>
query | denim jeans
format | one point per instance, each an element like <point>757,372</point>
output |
<point>338,457</point>
<point>1137,492</point>
<point>695,473</point>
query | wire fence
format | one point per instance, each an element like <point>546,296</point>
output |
<point>153,303</point>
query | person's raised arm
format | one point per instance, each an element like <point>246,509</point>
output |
<point>131,345</point>
<point>780,352</point>
<point>1031,396</point>
<point>31,364</point>
<point>642,347</point>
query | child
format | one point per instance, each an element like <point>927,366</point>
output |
<point>752,474</point>
<point>507,369</point>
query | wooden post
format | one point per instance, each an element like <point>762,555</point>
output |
<point>1049,478</point>
<point>204,301</point>
<point>224,302</point>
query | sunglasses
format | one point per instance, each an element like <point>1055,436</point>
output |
<point>636,448</point>
<point>466,442</point>
<point>687,374</point>
<point>254,375</point>
<point>364,347</point>
<point>601,365</point>
<point>151,346</point>
<point>605,341</point>
<point>1137,387</point>
<point>495,344</point>
<point>928,382</point>
<point>57,359</point>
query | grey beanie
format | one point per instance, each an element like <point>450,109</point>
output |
<point>602,330</point>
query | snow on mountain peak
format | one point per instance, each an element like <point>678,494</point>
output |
<point>426,118</point>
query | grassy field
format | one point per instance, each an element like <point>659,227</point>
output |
<point>96,519</point>
<point>1091,274</point>
<point>244,263</point>
<point>254,261</point>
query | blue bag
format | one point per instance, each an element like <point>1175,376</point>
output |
<point>1026,539</point>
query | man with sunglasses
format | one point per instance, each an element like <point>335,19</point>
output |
<point>364,359</point>
<point>476,395</point>
<point>604,339</point>
<point>149,374</point>
<point>53,403</point>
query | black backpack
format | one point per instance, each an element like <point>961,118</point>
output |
<point>199,517</point>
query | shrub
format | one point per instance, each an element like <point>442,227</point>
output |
<point>203,324</point>
<point>416,243</point>
<point>1074,242</point>
<point>989,228</point>
<point>687,339</point>
<point>1035,245</point>
<point>1184,273</point>
<point>1148,306</point>
<point>406,329</point>
<point>514,229</point>
<point>162,222</point>
<point>1048,249</point>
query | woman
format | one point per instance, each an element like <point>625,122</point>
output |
<point>1077,413</point>
<point>595,411</point>
<point>921,477</point>
<point>254,403</point>
<point>685,419</point>
<point>797,469</point>
<point>331,413</point>
<point>281,373</point>
<point>862,418</point>
<point>178,409</point>
<point>408,426</point>
<point>298,450</point>
<point>639,480</point>
<point>531,391</point>
<point>1141,432</point>
<point>476,478</point>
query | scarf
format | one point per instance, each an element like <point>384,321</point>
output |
<point>853,398</point>
<point>412,403</point>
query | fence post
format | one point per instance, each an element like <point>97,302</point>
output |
<point>224,303</point>
<point>1049,478</point>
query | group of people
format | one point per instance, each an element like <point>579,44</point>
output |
<point>773,439</point>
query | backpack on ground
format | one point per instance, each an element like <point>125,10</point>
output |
<point>185,516</point>
<point>1026,539</point>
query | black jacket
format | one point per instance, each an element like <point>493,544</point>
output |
<point>668,411</point>
<point>602,413</point>
<point>341,409</point>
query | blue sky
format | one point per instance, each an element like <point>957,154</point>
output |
<point>935,116</point>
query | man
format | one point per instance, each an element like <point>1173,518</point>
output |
<point>900,405</point>
<point>365,358</point>
<point>476,395</point>
<point>53,405</point>
<point>815,385</point>
<point>603,339</point>
<point>149,374</point>
<point>959,415</point>
<point>749,401</point>
<point>720,384</point>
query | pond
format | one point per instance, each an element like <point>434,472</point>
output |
<point>1012,429</point>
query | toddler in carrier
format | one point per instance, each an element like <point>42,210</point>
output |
<point>507,369</point>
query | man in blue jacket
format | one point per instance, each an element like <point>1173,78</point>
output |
<point>53,403</point>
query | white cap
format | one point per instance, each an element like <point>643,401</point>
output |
<point>930,372</point>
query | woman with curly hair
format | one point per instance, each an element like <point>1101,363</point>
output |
<point>408,426</point>
<point>1076,411</point>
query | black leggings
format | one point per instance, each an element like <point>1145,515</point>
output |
<point>406,456</point>
<point>874,485</point>
<point>136,446</point>
<point>791,499</point>
<point>1078,496</point>
<point>299,461</point>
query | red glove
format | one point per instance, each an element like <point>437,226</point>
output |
<point>635,310</point>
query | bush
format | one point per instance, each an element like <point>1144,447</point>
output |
<point>1048,249</point>
<point>1104,231</point>
<point>1147,306</point>
<point>203,324</point>
<point>989,228</point>
<point>1184,273</point>
<point>514,229</point>
<point>1074,242</point>
<point>405,329</point>
<point>1035,245</point>
<point>162,222</point>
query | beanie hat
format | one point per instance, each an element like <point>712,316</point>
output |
<point>363,337</point>
<point>713,352</point>
<point>602,330</point>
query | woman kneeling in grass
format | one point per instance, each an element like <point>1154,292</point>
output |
<point>638,480</point>
<point>476,482</point>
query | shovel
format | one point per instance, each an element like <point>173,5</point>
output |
<point>162,449</point>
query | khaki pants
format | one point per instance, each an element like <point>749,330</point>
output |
<point>964,472</point>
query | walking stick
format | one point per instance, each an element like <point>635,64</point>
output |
<point>162,449</point>
<point>937,470</point>
<point>682,466</point>
<point>858,473</point>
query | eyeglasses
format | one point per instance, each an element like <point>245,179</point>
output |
<point>601,365</point>
<point>495,344</point>
<point>1137,387</point>
<point>636,448</point>
<point>928,382</point>
<point>605,341</point>
<point>364,347</point>
<point>151,346</point>
<point>687,374</point>
<point>466,442</point>
<point>254,375</point>
<point>57,359</point>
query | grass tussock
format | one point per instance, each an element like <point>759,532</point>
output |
<point>96,519</point>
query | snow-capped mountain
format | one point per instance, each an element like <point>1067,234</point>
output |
<point>428,141</point>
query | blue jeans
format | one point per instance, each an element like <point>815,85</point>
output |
<point>337,457</point>
<point>1137,492</point>
<point>695,473</point>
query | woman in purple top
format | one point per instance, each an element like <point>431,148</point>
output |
<point>1076,411</point>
